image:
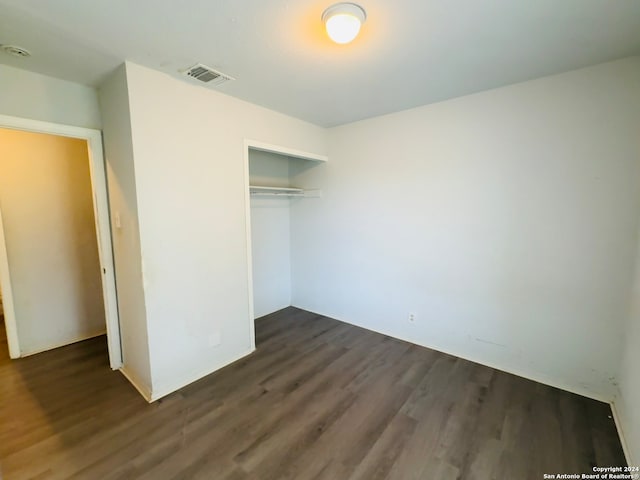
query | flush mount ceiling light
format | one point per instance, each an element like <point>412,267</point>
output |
<point>343,21</point>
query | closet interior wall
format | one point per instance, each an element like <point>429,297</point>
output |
<point>280,187</point>
<point>270,233</point>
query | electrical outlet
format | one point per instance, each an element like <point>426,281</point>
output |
<point>412,317</point>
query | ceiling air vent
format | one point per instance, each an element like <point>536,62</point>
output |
<point>15,51</point>
<point>207,75</point>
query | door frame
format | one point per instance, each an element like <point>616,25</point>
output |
<point>103,234</point>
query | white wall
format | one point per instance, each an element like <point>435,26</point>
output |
<point>628,402</point>
<point>39,97</point>
<point>188,151</point>
<point>121,178</point>
<point>50,234</point>
<point>505,221</point>
<point>270,234</point>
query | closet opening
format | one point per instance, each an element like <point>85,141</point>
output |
<point>279,188</point>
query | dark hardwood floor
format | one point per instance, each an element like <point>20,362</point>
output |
<point>319,399</point>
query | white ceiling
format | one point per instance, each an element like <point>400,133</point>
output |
<point>409,53</point>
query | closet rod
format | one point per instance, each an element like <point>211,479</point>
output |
<point>265,194</point>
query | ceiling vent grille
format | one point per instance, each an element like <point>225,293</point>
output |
<point>207,75</point>
<point>15,51</point>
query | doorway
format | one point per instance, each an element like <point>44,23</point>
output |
<point>56,261</point>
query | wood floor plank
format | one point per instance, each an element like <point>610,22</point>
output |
<point>319,399</point>
<point>384,453</point>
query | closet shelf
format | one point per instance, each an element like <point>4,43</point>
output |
<point>258,190</point>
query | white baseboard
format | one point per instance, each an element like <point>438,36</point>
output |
<point>536,378</point>
<point>167,389</point>
<point>77,339</point>
<point>137,383</point>
<point>623,439</point>
<point>274,310</point>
